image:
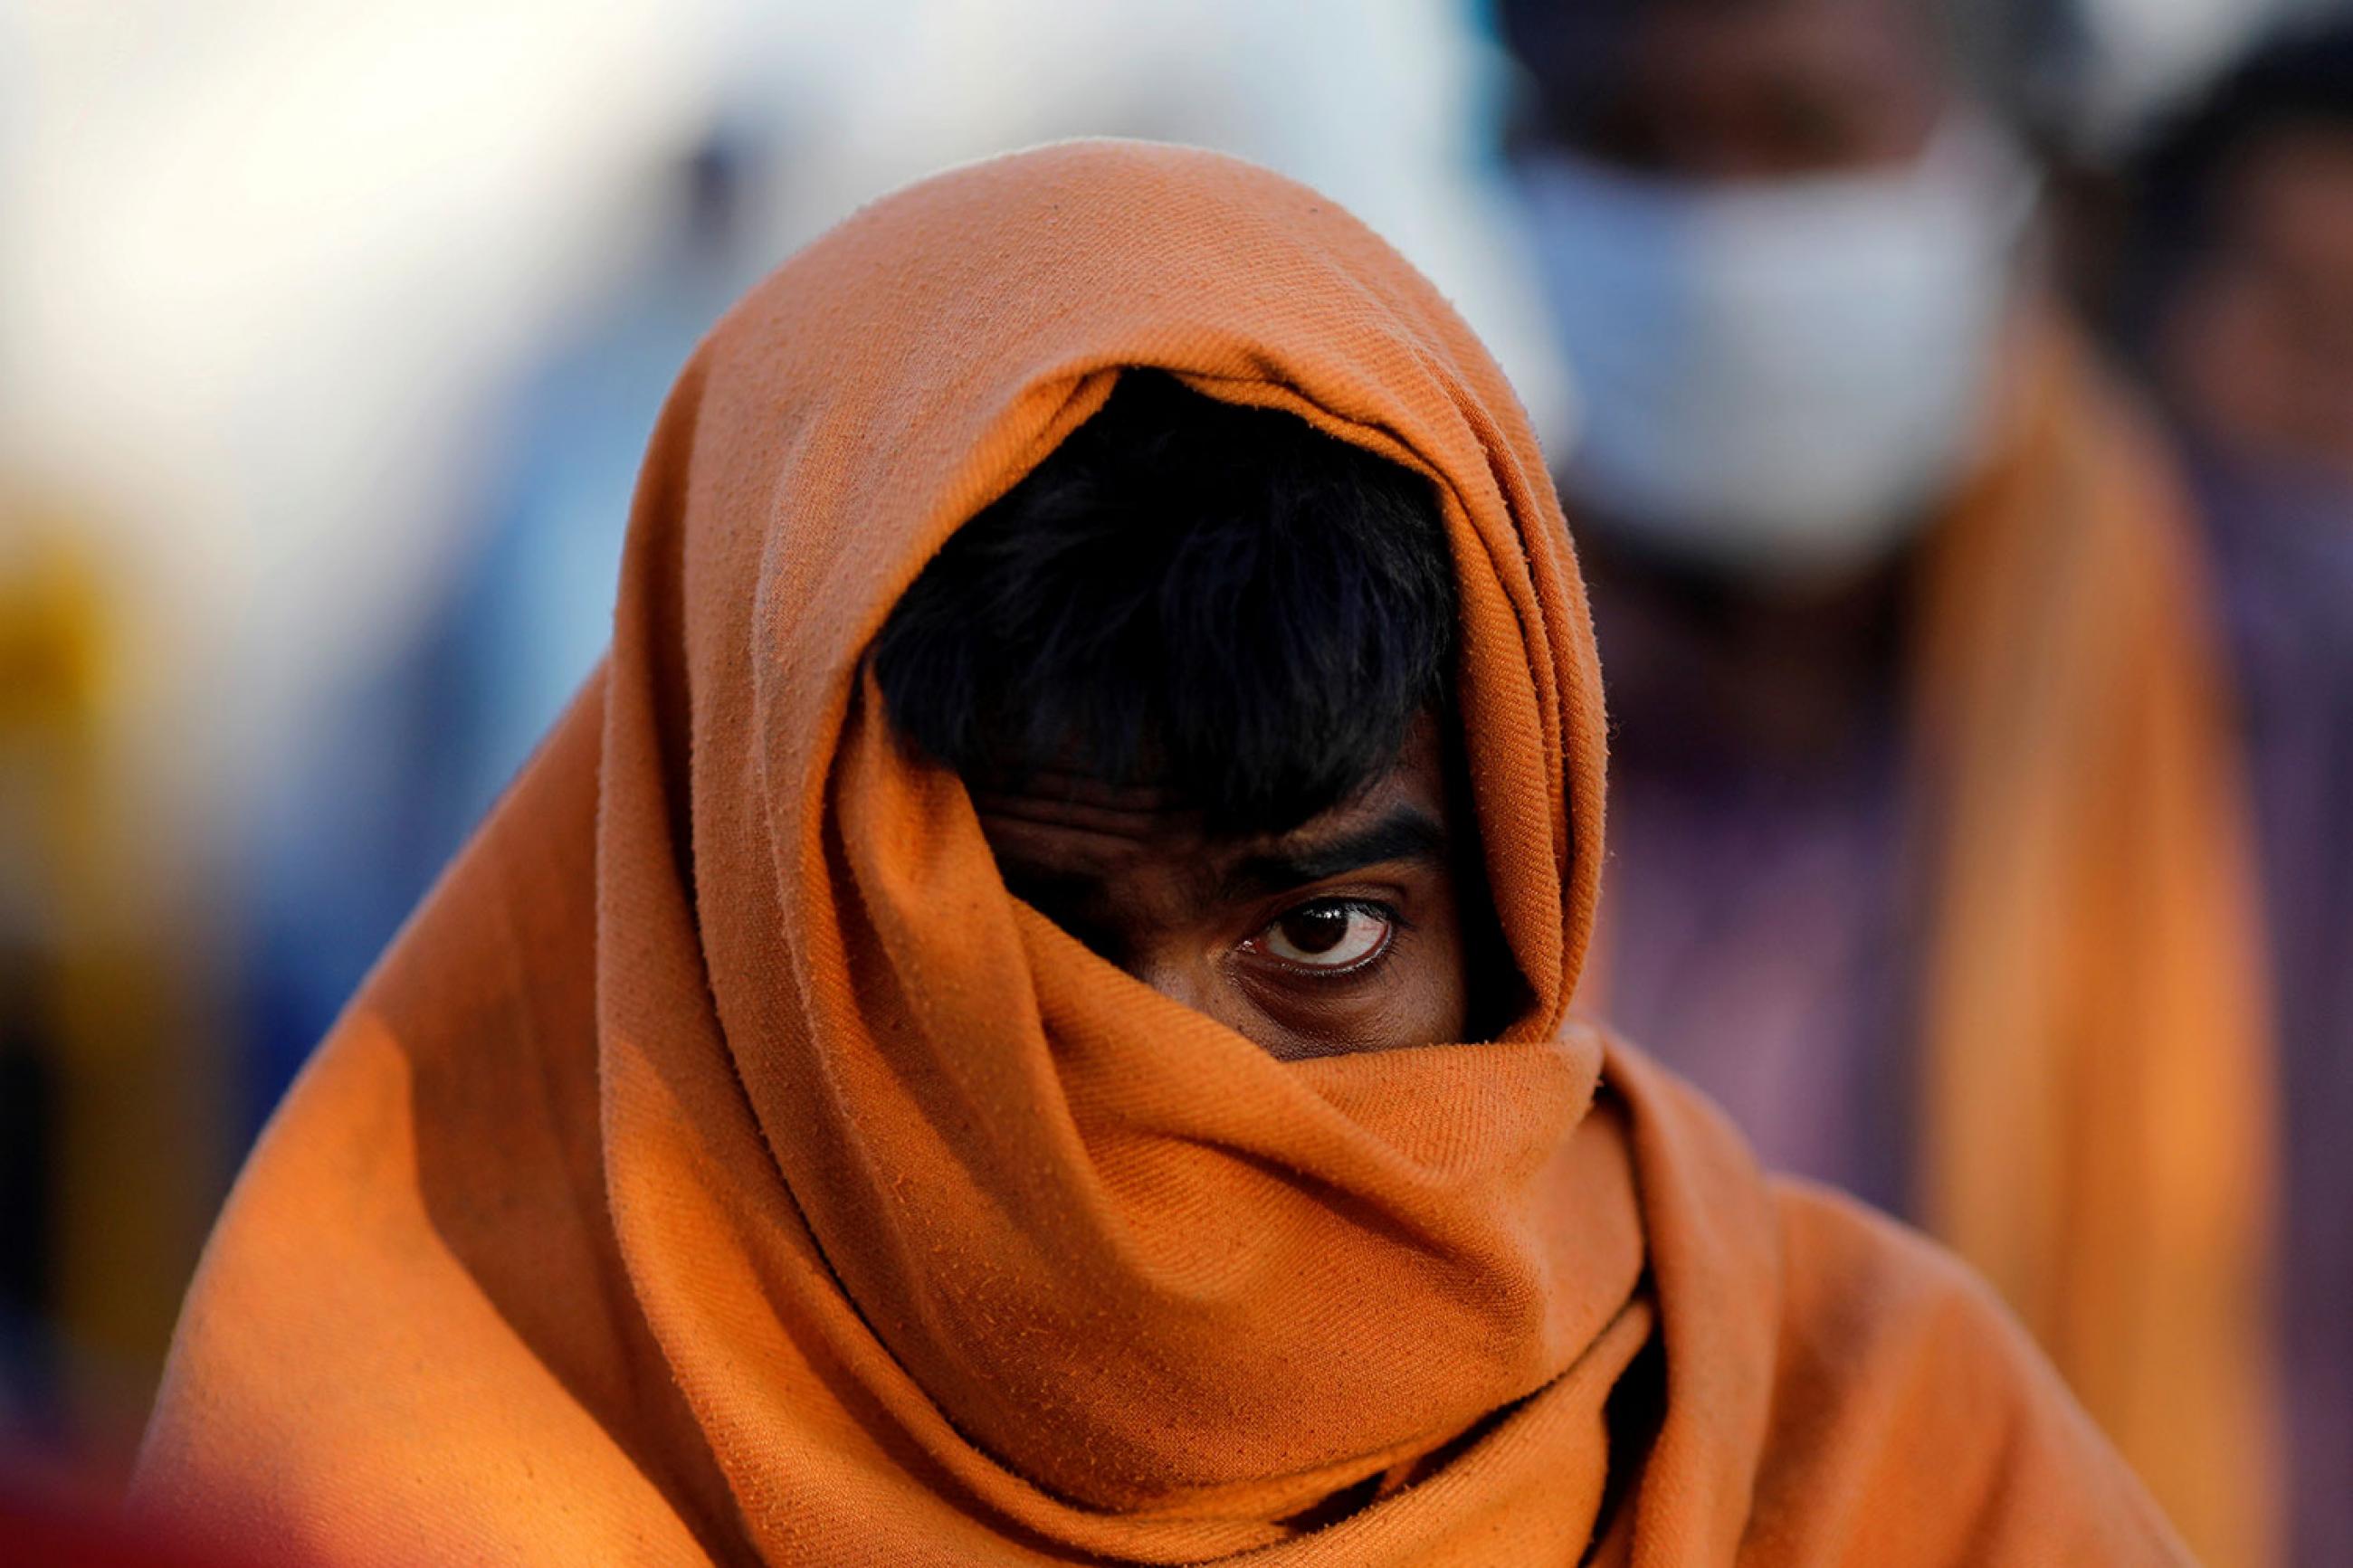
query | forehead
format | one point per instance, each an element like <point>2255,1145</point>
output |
<point>1069,829</point>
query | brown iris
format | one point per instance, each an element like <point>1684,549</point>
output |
<point>1317,929</point>
<point>1330,933</point>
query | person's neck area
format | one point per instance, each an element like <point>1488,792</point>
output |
<point>1715,673</point>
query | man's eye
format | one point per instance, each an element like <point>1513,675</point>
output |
<point>1329,934</point>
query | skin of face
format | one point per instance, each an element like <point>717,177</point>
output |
<point>2257,346</point>
<point>1752,90</point>
<point>1352,932</point>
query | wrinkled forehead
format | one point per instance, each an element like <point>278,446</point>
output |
<point>1119,818</point>
<point>1092,818</point>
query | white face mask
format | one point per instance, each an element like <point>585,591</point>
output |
<point>1779,379</point>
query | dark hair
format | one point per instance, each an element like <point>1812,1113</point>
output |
<point>1217,600</point>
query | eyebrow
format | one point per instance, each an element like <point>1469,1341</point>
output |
<point>1406,834</point>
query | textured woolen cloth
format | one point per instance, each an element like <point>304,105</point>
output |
<point>724,1166</point>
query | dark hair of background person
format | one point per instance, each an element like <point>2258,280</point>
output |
<point>2294,81</point>
<point>1220,601</point>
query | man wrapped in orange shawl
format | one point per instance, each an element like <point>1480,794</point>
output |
<point>727,1165</point>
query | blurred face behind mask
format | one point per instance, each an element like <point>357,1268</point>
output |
<point>2255,344</point>
<point>1778,255</point>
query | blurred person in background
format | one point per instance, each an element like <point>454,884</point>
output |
<point>2238,297</point>
<point>256,260</point>
<point>408,760</point>
<point>1930,853</point>
<point>108,1159</point>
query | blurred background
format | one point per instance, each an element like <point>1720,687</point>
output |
<point>1954,400</point>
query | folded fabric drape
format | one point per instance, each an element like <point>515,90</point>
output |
<point>723,1166</point>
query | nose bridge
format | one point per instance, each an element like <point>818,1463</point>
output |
<point>1176,973</point>
<point>1188,975</point>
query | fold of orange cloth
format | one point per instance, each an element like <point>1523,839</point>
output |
<point>723,1166</point>
<point>2098,1117</point>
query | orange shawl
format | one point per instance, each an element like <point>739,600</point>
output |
<point>2097,1073</point>
<point>723,1167</point>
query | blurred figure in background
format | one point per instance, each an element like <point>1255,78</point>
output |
<point>257,261</point>
<point>1930,859</point>
<point>412,759</point>
<point>2240,301</point>
<point>107,1168</point>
